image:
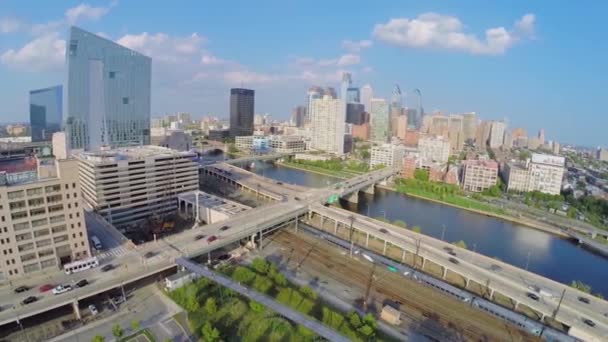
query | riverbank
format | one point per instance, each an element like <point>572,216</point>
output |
<point>313,169</point>
<point>518,220</point>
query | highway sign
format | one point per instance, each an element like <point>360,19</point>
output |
<point>333,199</point>
<point>391,268</point>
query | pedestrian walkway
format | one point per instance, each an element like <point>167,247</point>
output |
<point>114,253</point>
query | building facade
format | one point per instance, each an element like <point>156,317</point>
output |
<point>469,126</point>
<point>175,139</point>
<point>546,173</point>
<point>43,223</point>
<point>380,121</point>
<point>128,185</point>
<point>434,149</point>
<point>367,93</point>
<point>602,154</point>
<point>355,113</point>
<point>387,155</point>
<point>298,116</point>
<point>478,175</point>
<point>46,110</point>
<point>328,125</point>
<point>516,176</point>
<point>108,93</point>
<point>497,134</point>
<point>242,105</point>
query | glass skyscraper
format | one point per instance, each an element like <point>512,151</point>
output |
<point>45,112</point>
<point>108,93</point>
<point>380,121</point>
<point>242,104</point>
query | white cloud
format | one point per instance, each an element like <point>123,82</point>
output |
<point>348,59</point>
<point>10,25</point>
<point>164,48</point>
<point>209,59</point>
<point>249,77</point>
<point>46,52</point>
<point>432,30</point>
<point>356,46</point>
<point>86,11</point>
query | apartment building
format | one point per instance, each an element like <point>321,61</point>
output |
<point>42,220</point>
<point>542,173</point>
<point>127,185</point>
<point>516,176</point>
<point>478,175</point>
<point>387,155</point>
<point>434,149</point>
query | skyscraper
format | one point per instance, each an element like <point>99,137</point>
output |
<point>497,134</point>
<point>328,125</point>
<point>379,120</point>
<point>313,93</point>
<point>367,93</point>
<point>108,93</point>
<point>241,111</point>
<point>346,83</point>
<point>298,116</point>
<point>352,95</point>
<point>45,112</point>
<point>469,126</point>
<point>541,136</point>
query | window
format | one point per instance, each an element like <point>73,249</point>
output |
<point>73,185</point>
<point>35,191</point>
<point>112,74</point>
<point>73,47</point>
<point>125,100</point>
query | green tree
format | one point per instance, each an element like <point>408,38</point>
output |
<point>365,154</point>
<point>421,175</point>
<point>243,275</point>
<point>417,229</point>
<point>366,331</point>
<point>117,331</point>
<point>256,306</point>
<point>460,244</point>
<point>572,212</point>
<point>399,223</point>
<point>260,265</point>
<point>579,285</point>
<point>354,319</point>
<point>209,333</point>
<point>210,306</point>
<point>135,325</point>
<point>280,279</point>
<point>308,292</point>
<point>98,338</point>
<point>370,320</point>
<point>523,155</point>
<point>232,149</point>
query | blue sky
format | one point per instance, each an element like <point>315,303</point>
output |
<point>539,64</point>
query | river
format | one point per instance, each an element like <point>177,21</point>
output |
<point>545,254</point>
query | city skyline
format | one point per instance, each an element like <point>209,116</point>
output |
<point>522,70</point>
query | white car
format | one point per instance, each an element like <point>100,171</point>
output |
<point>62,289</point>
<point>93,310</point>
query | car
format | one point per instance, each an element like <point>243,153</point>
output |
<point>583,300</point>
<point>454,261</point>
<point>107,268</point>
<point>224,257</point>
<point>382,230</point>
<point>45,287</point>
<point>93,310</point>
<point>211,238</point>
<point>452,253</point>
<point>29,300</point>
<point>279,183</point>
<point>59,289</point>
<point>22,288</point>
<point>224,228</point>
<point>448,249</point>
<point>148,255</point>
<point>532,296</point>
<point>497,268</point>
<point>82,283</point>
<point>199,236</point>
<point>589,322</point>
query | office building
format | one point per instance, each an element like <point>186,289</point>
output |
<point>555,147</point>
<point>352,95</point>
<point>298,116</point>
<point>497,134</point>
<point>367,93</point>
<point>542,173</point>
<point>482,135</point>
<point>440,125</point>
<point>516,176</point>
<point>274,143</point>
<point>387,155</point>
<point>434,149</point>
<point>380,121</point>
<point>327,119</point>
<point>541,136</point>
<point>128,185</point>
<point>456,133</point>
<point>241,111</point>
<point>355,113</point>
<point>46,112</point>
<point>16,130</point>
<point>42,218</point>
<point>347,82</point>
<point>108,93</point>
<point>469,126</point>
<point>175,139</point>
<point>361,131</point>
<point>479,175</point>
<point>602,154</point>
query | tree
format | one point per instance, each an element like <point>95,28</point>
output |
<point>572,212</point>
<point>460,244</point>
<point>232,149</point>
<point>280,279</point>
<point>210,306</point>
<point>260,265</point>
<point>209,333</point>
<point>523,155</point>
<point>98,338</point>
<point>256,306</point>
<point>117,331</point>
<point>243,275</point>
<point>579,285</point>
<point>365,154</point>
<point>354,319</point>
<point>135,325</point>
<point>308,292</point>
<point>417,229</point>
<point>421,175</point>
<point>399,223</point>
<point>370,320</point>
<point>366,331</point>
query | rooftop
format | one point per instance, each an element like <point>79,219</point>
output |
<point>548,159</point>
<point>131,153</point>
<point>490,164</point>
<point>213,202</point>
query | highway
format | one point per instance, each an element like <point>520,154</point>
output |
<point>509,280</point>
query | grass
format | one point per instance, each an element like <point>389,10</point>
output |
<point>344,174</point>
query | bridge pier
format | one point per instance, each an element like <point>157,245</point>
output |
<point>76,309</point>
<point>593,235</point>
<point>336,227</point>
<point>261,239</point>
<point>384,249</point>
<point>369,189</point>
<point>352,198</point>
<point>367,240</point>
<point>403,256</point>
<point>466,282</point>
<point>491,293</point>
<point>423,262</point>
<point>516,304</point>
<point>296,224</point>
<point>445,272</point>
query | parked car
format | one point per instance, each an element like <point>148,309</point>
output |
<point>82,283</point>
<point>199,236</point>
<point>29,300</point>
<point>107,268</point>
<point>45,287</point>
<point>22,288</point>
<point>93,310</point>
<point>59,289</point>
<point>211,238</point>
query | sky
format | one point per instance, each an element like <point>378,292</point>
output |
<point>540,64</point>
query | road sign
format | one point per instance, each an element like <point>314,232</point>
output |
<point>391,268</point>
<point>333,199</point>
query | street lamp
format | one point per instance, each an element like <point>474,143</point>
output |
<point>352,220</point>
<point>443,231</point>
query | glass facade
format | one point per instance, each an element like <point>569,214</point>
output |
<point>379,120</point>
<point>108,93</point>
<point>352,95</point>
<point>45,112</point>
<point>242,104</point>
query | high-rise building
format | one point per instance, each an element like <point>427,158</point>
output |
<point>43,219</point>
<point>327,120</point>
<point>298,116</point>
<point>347,82</point>
<point>330,91</point>
<point>602,154</point>
<point>355,113</point>
<point>412,117</point>
<point>440,125</point>
<point>313,93</point>
<point>45,112</point>
<point>367,93</point>
<point>380,121</point>
<point>434,149</point>
<point>352,95</point>
<point>455,132</point>
<point>242,104</point>
<point>497,134</point>
<point>108,93</point>
<point>396,109</point>
<point>541,136</point>
<point>469,126</point>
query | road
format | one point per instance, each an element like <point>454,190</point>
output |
<point>509,280</point>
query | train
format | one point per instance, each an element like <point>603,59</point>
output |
<point>523,322</point>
